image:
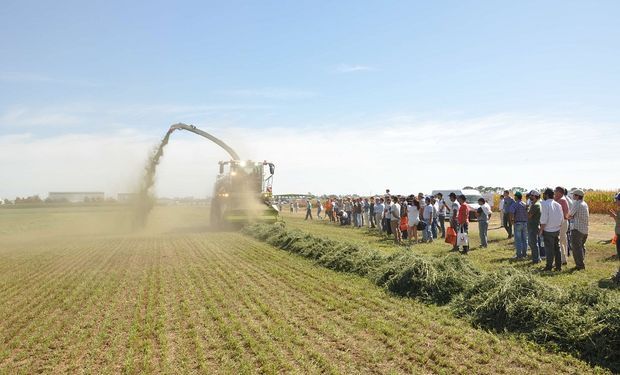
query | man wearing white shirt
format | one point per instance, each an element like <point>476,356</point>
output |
<point>395,221</point>
<point>550,224</point>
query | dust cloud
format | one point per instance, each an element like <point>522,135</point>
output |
<point>145,199</point>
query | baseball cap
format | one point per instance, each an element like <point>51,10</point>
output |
<point>518,194</point>
<point>578,192</point>
<point>535,193</point>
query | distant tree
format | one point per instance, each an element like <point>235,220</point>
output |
<point>6,201</point>
<point>467,187</point>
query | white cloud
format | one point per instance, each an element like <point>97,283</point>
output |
<point>348,68</point>
<point>400,152</point>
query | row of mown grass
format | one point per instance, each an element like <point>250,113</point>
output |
<point>584,321</point>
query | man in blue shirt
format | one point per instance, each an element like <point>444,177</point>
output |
<point>518,217</point>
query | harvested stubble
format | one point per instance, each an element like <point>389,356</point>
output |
<point>584,321</point>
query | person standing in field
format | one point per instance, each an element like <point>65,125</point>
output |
<point>379,213</point>
<point>308,209</point>
<point>319,208</point>
<point>560,197</point>
<point>579,214</point>
<point>484,215</point>
<point>434,223</point>
<point>413,213</point>
<point>328,209</point>
<point>616,216</point>
<point>518,217</point>
<point>501,210</point>
<point>508,201</point>
<point>357,213</point>
<point>454,210</point>
<point>441,214</point>
<point>403,225</point>
<point>394,216</point>
<point>463,219</point>
<point>533,225</point>
<point>370,212</point>
<point>427,218</point>
<point>386,215</point>
<point>348,208</point>
<point>550,225</point>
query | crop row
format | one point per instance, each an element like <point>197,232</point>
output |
<point>584,321</point>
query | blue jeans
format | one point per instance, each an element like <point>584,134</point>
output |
<point>520,233</point>
<point>532,237</point>
<point>434,226</point>
<point>483,227</point>
<point>427,235</point>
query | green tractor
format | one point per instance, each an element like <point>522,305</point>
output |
<point>243,193</point>
<point>243,189</point>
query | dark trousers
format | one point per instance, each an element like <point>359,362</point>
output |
<point>577,241</point>
<point>308,214</point>
<point>552,247</point>
<point>386,226</point>
<point>507,224</point>
<point>455,225</point>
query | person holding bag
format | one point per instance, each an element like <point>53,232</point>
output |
<point>463,221</point>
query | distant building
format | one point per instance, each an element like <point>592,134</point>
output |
<point>126,197</point>
<point>76,196</point>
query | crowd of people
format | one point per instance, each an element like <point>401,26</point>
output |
<point>553,225</point>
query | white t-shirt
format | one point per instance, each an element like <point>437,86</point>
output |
<point>413,215</point>
<point>395,211</point>
<point>442,207</point>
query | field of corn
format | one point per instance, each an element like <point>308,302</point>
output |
<point>80,293</point>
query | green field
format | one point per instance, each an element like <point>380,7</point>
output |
<point>81,293</point>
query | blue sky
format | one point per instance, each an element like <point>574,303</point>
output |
<point>127,70</point>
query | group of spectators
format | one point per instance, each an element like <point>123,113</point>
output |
<point>553,227</point>
<point>404,217</point>
<point>553,224</point>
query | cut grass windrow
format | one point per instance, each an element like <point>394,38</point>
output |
<point>584,321</point>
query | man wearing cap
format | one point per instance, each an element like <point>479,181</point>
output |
<point>533,224</point>
<point>550,223</point>
<point>579,214</point>
<point>518,217</point>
